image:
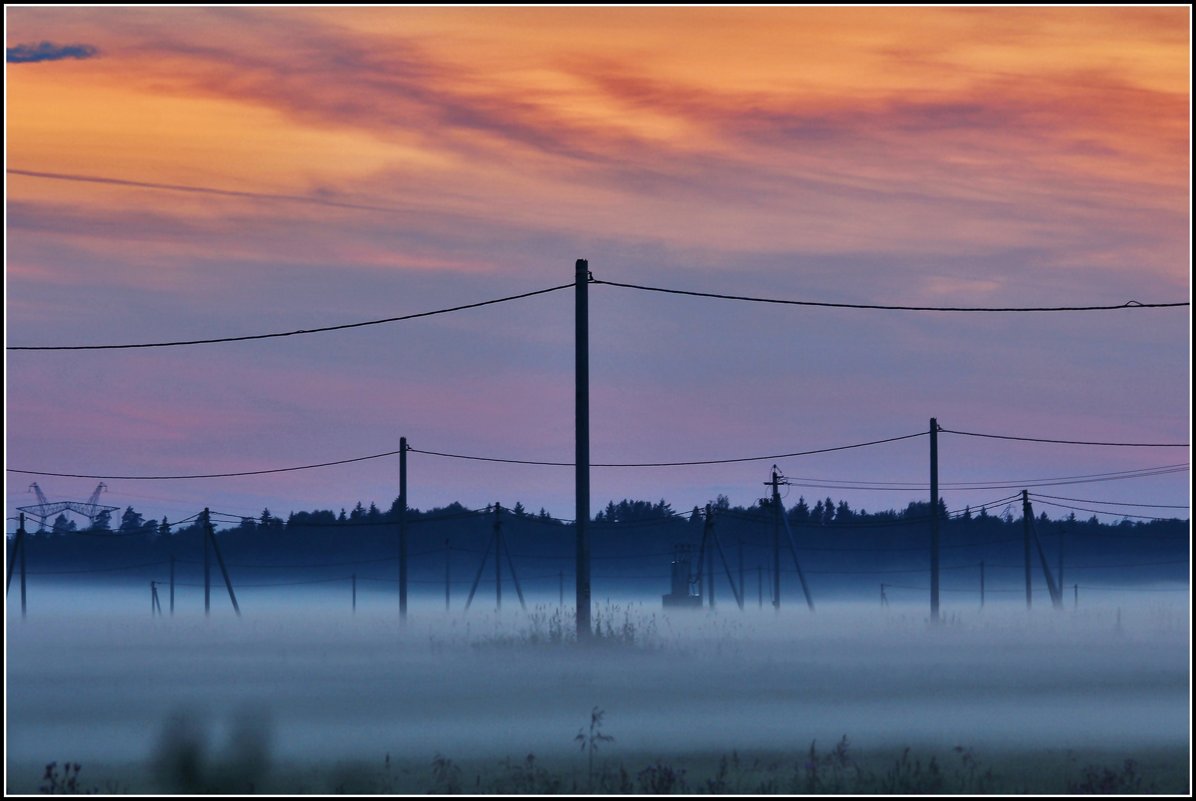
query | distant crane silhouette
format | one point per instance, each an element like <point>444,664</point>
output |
<point>44,508</point>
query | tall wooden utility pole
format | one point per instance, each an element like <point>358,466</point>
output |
<point>497,557</point>
<point>211,537</point>
<point>1026,537</point>
<point>776,540</point>
<point>982,584</point>
<point>934,519</point>
<point>710,554</point>
<point>18,546</point>
<point>207,568</point>
<point>582,457</point>
<point>402,529</point>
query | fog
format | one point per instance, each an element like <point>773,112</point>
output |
<point>91,676</point>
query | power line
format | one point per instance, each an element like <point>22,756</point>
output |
<point>1070,441</point>
<point>291,333</point>
<point>965,486</point>
<point>1129,304</point>
<point>1101,511</point>
<point>206,190</point>
<point>1134,589</point>
<point>664,464</point>
<point>208,475</point>
<point>1112,503</point>
<point>95,569</point>
<point>1145,472</point>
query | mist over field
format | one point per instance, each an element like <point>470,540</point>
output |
<point>93,678</point>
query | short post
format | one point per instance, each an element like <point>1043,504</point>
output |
<point>1075,598</point>
<point>153,592</point>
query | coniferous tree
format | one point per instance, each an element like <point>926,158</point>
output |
<point>130,521</point>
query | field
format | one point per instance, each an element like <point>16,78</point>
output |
<point>302,696</point>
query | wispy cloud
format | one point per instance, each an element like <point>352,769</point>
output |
<point>47,51</point>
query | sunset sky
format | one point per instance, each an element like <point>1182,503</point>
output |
<point>183,173</point>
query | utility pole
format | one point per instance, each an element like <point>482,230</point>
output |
<point>207,517</point>
<point>582,458</point>
<point>710,554</point>
<point>24,547</point>
<point>982,584</point>
<point>402,530</point>
<point>497,557</point>
<point>1026,538</point>
<point>934,520</point>
<point>207,567</point>
<point>1062,536</point>
<point>742,586</point>
<point>776,540</point>
<point>18,555</point>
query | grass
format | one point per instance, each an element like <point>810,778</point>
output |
<point>837,770</point>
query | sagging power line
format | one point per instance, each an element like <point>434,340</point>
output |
<point>279,334</point>
<point>1129,304</point>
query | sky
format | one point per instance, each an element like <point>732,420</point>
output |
<point>188,173</point>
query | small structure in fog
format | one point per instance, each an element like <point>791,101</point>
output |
<point>682,597</point>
